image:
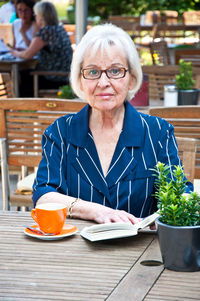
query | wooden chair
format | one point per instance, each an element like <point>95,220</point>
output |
<point>186,122</point>
<point>22,124</point>
<point>46,92</point>
<point>5,85</point>
<point>160,53</point>
<point>159,76</point>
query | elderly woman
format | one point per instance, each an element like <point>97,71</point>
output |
<point>51,45</point>
<point>98,162</point>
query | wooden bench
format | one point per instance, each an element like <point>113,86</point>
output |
<point>186,122</point>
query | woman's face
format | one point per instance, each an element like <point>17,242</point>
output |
<point>39,20</point>
<point>106,94</point>
<point>24,12</point>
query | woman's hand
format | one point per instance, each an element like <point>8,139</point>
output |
<point>23,31</point>
<point>14,52</point>
<point>105,214</point>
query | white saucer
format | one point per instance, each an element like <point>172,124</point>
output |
<point>67,230</point>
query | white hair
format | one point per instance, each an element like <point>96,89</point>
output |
<point>103,37</point>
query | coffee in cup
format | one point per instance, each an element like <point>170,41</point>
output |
<point>50,217</point>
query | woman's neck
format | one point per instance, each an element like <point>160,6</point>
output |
<point>107,120</point>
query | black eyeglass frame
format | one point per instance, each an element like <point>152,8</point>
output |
<point>105,70</point>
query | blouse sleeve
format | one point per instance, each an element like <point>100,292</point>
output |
<point>46,34</point>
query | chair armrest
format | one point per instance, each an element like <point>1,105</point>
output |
<point>47,73</point>
<point>4,175</point>
<point>38,73</point>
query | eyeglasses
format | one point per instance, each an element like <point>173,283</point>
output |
<point>23,11</point>
<point>114,73</point>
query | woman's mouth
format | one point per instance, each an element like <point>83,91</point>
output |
<point>105,95</point>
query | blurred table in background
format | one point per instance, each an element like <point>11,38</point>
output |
<point>13,66</point>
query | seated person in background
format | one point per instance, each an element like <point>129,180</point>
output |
<point>98,162</point>
<point>24,28</point>
<point>6,11</point>
<point>51,44</point>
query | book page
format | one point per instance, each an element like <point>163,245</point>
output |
<point>108,234</point>
<point>116,230</point>
<point>147,221</point>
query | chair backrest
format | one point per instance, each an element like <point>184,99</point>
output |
<point>167,17</point>
<point>71,30</point>
<point>186,122</point>
<point>187,148</point>
<point>5,85</point>
<point>23,122</point>
<point>172,33</point>
<point>159,76</point>
<point>191,17</point>
<point>6,33</point>
<point>189,55</point>
<point>160,53</point>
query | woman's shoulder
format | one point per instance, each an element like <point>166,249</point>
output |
<point>49,31</point>
<point>154,120</point>
<point>62,122</point>
<point>17,22</point>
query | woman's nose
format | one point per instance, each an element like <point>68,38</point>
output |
<point>103,80</point>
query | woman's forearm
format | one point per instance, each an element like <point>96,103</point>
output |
<point>31,51</point>
<point>88,210</point>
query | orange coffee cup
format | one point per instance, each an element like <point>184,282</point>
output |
<point>50,217</point>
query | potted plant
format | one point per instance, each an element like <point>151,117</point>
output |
<point>187,95</point>
<point>179,222</point>
<point>66,92</point>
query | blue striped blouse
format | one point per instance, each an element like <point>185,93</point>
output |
<point>70,163</point>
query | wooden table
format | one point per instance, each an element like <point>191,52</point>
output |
<point>76,269</point>
<point>13,66</point>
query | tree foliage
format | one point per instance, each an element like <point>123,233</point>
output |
<point>104,8</point>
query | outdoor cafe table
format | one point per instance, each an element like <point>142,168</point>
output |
<point>13,66</point>
<point>76,269</point>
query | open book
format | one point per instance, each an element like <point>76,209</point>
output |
<point>116,230</point>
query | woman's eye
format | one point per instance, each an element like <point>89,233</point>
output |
<point>114,71</point>
<point>93,72</point>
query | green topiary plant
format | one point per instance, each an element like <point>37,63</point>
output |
<point>184,80</point>
<point>175,207</point>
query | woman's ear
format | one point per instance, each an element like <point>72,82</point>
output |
<point>81,85</point>
<point>132,82</point>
